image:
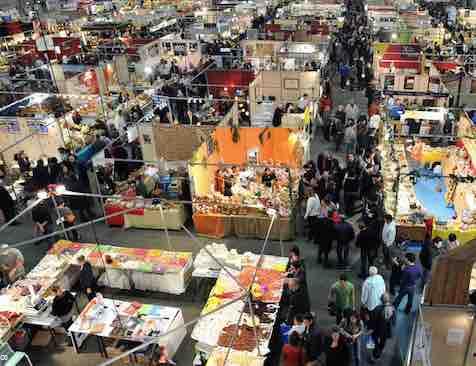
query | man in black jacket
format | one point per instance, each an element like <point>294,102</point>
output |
<point>426,257</point>
<point>62,306</point>
<point>325,235</point>
<point>312,340</point>
<point>87,282</point>
<point>345,234</point>
<point>298,300</point>
<point>367,241</point>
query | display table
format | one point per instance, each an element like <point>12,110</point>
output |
<point>215,330</point>
<point>147,269</point>
<point>129,321</point>
<point>152,219</point>
<point>414,232</point>
<point>220,226</point>
<point>144,218</point>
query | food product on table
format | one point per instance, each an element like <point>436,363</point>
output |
<point>241,338</point>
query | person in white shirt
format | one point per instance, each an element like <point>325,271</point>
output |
<point>452,241</point>
<point>389,234</point>
<point>352,111</point>
<point>303,102</point>
<point>374,124</point>
<point>372,291</point>
<point>313,209</point>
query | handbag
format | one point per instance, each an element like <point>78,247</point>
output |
<point>331,308</point>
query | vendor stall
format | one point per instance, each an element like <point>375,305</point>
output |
<point>217,329</point>
<point>143,269</point>
<point>430,189</point>
<point>146,215</point>
<point>238,174</point>
<point>130,321</point>
<point>403,71</point>
<point>273,88</point>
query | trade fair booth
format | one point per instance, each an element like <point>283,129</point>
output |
<point>224,205</point>
<point>273,88</point>
<point>403,71</point>
<point>430,189</point>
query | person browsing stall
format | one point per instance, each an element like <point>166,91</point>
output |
<point>87,281</point>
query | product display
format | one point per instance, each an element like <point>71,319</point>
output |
<point>217,328</point>
<point>134,321</point>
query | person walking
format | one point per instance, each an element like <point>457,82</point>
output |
<point>345,234</point>
<point>313,209</point>
<point>350,137</point>
<point>411,274</point>
<point>367,241</point>
<point>342,294</point>
<point>312,341</point>
<point>327,234</point>
<point>389,234</point>
<point>292,353</point>
<point>336,350</point>
<point>372,290</point>
<point>344,72</point>
<point>384,318</point>
<point>352,329</point>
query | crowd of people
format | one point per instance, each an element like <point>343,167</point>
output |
<point>359,331</point>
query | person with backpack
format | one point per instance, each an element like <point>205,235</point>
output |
<point>384,318</point>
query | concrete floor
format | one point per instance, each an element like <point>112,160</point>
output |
<point>319,279</point>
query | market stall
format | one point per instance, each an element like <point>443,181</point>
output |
<point>29,125</point>
<point>129,321</point>
<point>403,71</point>
<point>430,189</point>
<point>227,182</point>
<point>215,332</point>
<point>144,269</point>
<point>273,88</point>
<point>146,215</point>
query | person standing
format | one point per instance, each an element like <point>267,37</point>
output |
<point>367,241</point>
<point>312,340</point>
<point>62,306</point>
<point>350,137</point>
<point>313,209</point>
<point>352,111</point>
<point>384,318</point>
<point>337,352</point>
<point>298,300</point>
<point>87,281</point>
<point>426,259</point>
<point>389,234</point>
<point>345,234</point>
<point>352,328</point>
<point>7,204</point>
<point>344,72</point>
<point>327,234</point>
<point>42,221</point>
<point>411,274</point>
<point>372,290</point>
<point>292,353</point>
<point>342,293</point>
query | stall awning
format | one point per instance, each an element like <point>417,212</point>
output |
<point>401,56</point>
